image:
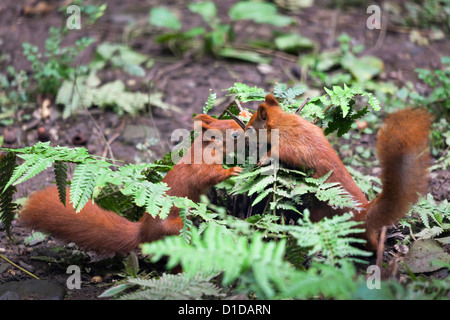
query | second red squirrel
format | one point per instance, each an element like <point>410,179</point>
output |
<point>402,150</point>
<point>104,231</point>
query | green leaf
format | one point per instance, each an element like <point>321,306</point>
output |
<point>293,42</point>
<point>34,238</point>
<point>163,17</point>
<point>260,12</point>
<point>116,290</point>
<point>167,287</point>
<point>83,184</point>
<point>210,102</point>
<point>206,9</point>
<point>363,68</point>
<point>121,56</point>
<point>250,56</point>
<point>61,180</point>
<point>246,93</point>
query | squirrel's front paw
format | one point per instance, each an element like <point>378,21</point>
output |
<point>235,171</point>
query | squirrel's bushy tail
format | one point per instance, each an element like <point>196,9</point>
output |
<point>403,153</point>
<point>92,228</point>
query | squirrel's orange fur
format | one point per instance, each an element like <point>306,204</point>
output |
<point>402,151</point>
<point>104,231</point>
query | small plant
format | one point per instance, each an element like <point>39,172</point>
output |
<point>434,217</point>
<point>341,65</point>
<point>120,56</point>
<point>167,287</point>
<point>427,13</point>
<point>13,92</point>
<point>54,65</point>
<point>219,36</point>
<point>439,82</point>
<point>435,98</point>
<point>336,110</point>
<point>87,91</point>
<point>91,175</point>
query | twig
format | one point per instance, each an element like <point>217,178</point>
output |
<point>100,133</point>
<point>238,121</point>
<point>114,137</point>
<point>380,249</point>
<point>18,267</point>
<point>275,53</point>
<point>234,102</point>
<point>302,106</point>
<point>238,104</point>
<point>332,28</point>
<point>149,95</point>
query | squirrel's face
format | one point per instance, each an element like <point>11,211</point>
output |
<point>264,118</point>
<point>226,133</point>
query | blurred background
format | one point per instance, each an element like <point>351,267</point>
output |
<point>82,72</point>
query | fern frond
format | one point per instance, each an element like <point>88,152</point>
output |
<point>245,93</point>
<point>288,96</point>
<point>174,287</point>
<point>217,251</point>
<point>429,233</point>
<point>210,102</point>
<point>325,280</point>
<point>261,184</point>
<point>61,180</point>
<point>427,208</point>
<point>262,195</point>
<point>185,233</point>
<point>329,237</point>
<point>7,206</point>
<point>83,184</point>
<point>33,170</point>
<point>17,172</point>
<point>153,197</point>
<point>369,185</point>
<point>285,206</point>
<point>336,196</point>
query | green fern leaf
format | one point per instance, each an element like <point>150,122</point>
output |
<point>20,170</point>
<point>61,180</point>
<point>429,211</point>
<point>217,250</point>
<point>185,233</point>
<point>173,287</point>
<point>7,206</point>
<point>34,169</point>
<point>83,184</point>
<point>261,184</point>
<point>330,237</point>
<point>210,102</point>
<point>245,93</point>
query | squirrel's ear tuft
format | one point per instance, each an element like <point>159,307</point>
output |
<point>205,118</point>
<point>206,121</point>
<point>271,101</point>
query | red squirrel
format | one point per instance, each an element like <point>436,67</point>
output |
<point>106,232</point>
<point>402,151</point>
